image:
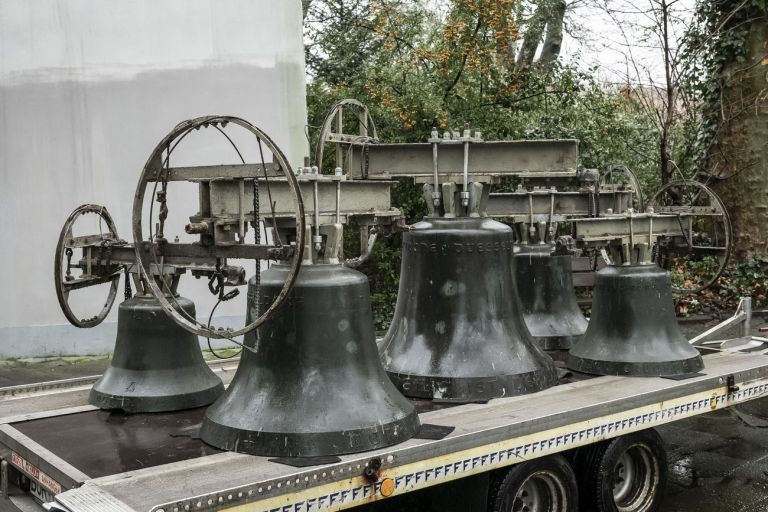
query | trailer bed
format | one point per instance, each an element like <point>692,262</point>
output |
<point>93,460</point>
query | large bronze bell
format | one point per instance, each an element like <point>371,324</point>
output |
<point>157,366</point>
<point>633,329</point>
<point>545,289</point>
<point>458,333</point>
<point>314,385</point>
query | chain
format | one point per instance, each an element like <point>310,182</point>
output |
<point>257,236</point>
<point>162,198</point>
<point>216,281</point>
<point>128,290</point>
<point>365,160</point>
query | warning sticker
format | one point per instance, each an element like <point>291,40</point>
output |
<point>34,472</point>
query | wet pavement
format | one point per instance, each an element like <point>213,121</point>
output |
<point>26,371</point>
<point>719,461</point>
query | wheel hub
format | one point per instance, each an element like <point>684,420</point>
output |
<point>635,479</point>
<point>541,492</point>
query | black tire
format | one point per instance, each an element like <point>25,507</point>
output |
<point>547,484</point>
<point>626,474</point>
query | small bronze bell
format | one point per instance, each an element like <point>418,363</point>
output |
<point>633,329</point>
<point>157,366</point>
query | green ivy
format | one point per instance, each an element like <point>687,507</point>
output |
<point>716,40</point>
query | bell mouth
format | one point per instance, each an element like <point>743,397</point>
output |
<point>674,368</point>
<point>463,390</point>
<point>184,399</point>
<point>305,444</point>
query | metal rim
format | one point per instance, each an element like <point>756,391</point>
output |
<point>633,180</point>
<point>718,209</point>
<point>61,284</point>
<point>179,131</point>
<point>327,127</point>
<point>635,479</point>
<point>542,491</point>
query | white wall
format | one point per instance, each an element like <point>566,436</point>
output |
<point>87,89</point>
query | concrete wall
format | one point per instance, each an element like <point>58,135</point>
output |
<point>87,89</point>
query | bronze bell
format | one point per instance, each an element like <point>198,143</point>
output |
<point>458,333</point>
<point>157,366</point>
<point>314,385</point>
<point>545,289</point>
<point>633,329</point>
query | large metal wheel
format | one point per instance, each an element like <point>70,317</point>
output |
<point>626,474</point>
<point>105,272</point>
<point>366,128</point>
<point>697,259</point>
<point>149,252</point>
<point>547,484</point>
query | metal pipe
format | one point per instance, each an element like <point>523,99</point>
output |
<point>241,210</point>
<point>338,196</point>
<point>435,178</point>
<point>339,130</point>
<point>196,228</point>
<point>465,192</point>
<point>631,231</point>
<point>650,228</point>
<point>550,230</point>
<point>315,196</point>
<point>532,228</point>
<point>746,307</point>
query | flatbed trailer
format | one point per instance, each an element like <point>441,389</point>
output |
<point>75,458</point>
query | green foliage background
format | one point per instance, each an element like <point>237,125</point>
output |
<point>417,68</point>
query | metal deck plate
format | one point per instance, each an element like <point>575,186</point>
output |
<point>101,443</point>
<point>92,499</point>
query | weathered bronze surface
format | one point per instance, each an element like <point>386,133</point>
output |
<point>314,385</point>
<point>545,289</point>
<point>157,366</point>
<point>458,332</point>
<point>633,329</point>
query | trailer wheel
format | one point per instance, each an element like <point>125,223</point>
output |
<point>626,474</point>
<point>547,484</point>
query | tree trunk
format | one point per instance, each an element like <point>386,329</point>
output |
<point>532,36</point>
<point>665,157</point>
<point>740,151</point>
<point>553,39</point>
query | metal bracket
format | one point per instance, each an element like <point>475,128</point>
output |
<point>741,318</point>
